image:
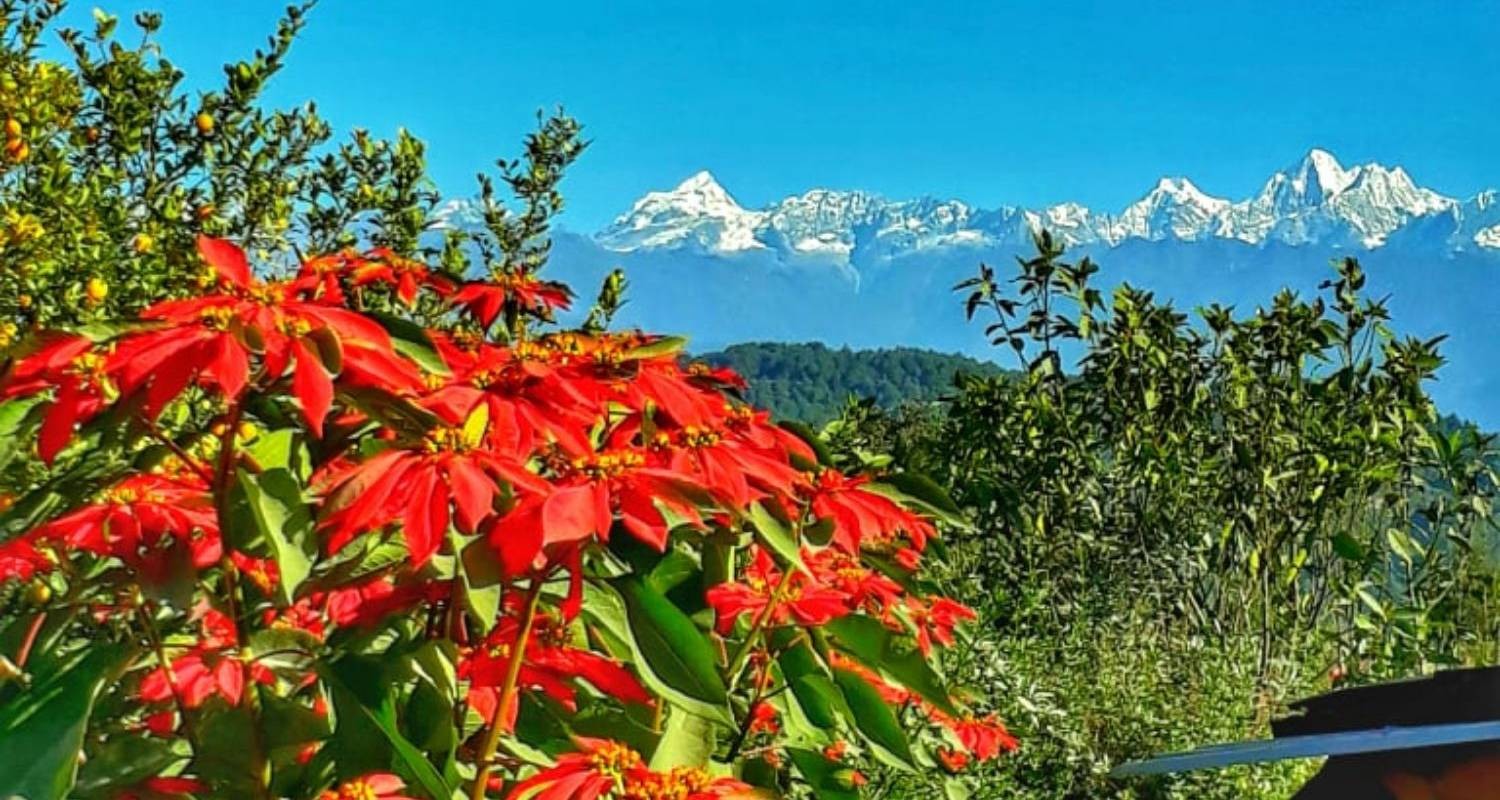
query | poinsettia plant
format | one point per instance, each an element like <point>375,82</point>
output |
<point>295,543</point>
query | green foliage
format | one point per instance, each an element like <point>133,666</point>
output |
<point>112,169</point>
<point>812,382</point>
<point>1195,522</point>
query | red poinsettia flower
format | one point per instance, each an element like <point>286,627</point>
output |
<point>404,275</point>
<point>530,401</point>
<point>953,760</point>
<point>801,599</point>
<point>137,519</point>
<point>159,787</point>
<point>764,719</point>
<point>729,466</point>
<point>590,490</point>
<point>934,620</point>
<point>484,300</point>
<point>550,665</point>
<point>374,599</point>
<point>321,278</point>
<point>449,478</point>
<point>210,339</point>
<point>596,770</point>
<point>209,668</point>
<point>859,515</point>
<point>19,560</point>
<point>374,786</point>
<point>868,590</point>
<point>77,373</point>
<point>606,768</point>
<point>984,738</point>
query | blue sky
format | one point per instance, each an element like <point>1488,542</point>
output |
<point>994,103</point>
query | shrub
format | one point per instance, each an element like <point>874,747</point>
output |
<point>289,547</point>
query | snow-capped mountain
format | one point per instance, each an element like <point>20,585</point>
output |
<point>697,213</point>
<point>853,268</point>
<point>1315,202</point>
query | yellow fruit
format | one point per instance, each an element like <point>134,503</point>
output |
<point>12,128</point>
<point>24,301</point>
<point>38,593</point>
<point>143,243</point>
<point>205,123</point>
<point>96,290</point>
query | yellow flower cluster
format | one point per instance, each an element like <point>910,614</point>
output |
<point>17,229</point>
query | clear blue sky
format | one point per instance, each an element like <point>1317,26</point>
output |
<point>991,102</point>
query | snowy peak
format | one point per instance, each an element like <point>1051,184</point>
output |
<point>698,213</point>
<point>1315,202</point>
<point>1175,209</point>
<point>1321,176</point>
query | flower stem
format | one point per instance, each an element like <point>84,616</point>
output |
<point>154,637</point>
<point>742,653</point>
<point>507,692</point>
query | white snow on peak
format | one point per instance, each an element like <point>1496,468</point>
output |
<point>699,213</point>
<point>1175,209</point>
<point>1316,201</point>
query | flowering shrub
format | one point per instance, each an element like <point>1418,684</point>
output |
<point>292,547</point>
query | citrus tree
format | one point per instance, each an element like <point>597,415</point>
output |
<point>293,544</point>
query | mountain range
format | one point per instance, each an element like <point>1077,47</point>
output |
<point>852,268</point>
<point>1316,201</point>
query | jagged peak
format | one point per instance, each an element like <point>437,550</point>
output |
<point>700,181</point>
<point>1182,190</point>
<point>1324,169</point>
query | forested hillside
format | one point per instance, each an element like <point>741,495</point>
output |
<point>812,381</point>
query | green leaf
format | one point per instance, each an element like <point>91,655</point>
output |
<point>483,579</point>
<point>773,533</point>
<point>673,569</point>
<point>125,760</point>
<point>687,740</point>
<point>287,723</point>
<point>813,440</point>
<point>665,346</point>
<point>820,700</point>
<point>285,520</point>
<point>42,729</point>
<point>273,449</point>
<point>873,645</point>
<point>1347,547</point>
<point>227,754</point>
<point>16,418</point>
<point>874,718</point>
<point>411,340</point>
<point>919,493</point>
<point>674,647</point>
<point>375,706</point>
<point>284,650</point>
<point>829,780</point>
<point>607,609</point>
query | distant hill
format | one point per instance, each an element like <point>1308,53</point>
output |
<point>811,381</point>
